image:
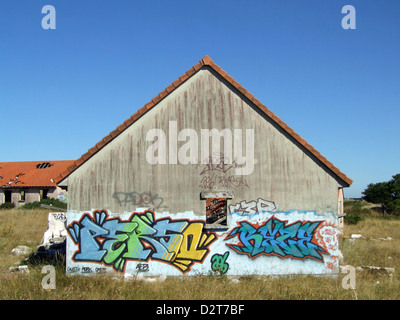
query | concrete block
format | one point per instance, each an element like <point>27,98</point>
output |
<point>21,250</point>
<point>22,269</point>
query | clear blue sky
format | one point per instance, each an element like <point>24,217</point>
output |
<point>63,90</point>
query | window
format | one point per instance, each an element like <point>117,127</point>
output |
<point>217,208</point>
<point>216,211</point>
<point>22,195</point>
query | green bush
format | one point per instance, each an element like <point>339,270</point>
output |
<point>49,202</point>
<point>394,207</point>
<point>354,211</point>
<point>54,202</point>
<point>31,205</point>
<point>352,218</point>
<point>7,205</point>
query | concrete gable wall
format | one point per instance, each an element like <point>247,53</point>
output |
<point>119,178</point>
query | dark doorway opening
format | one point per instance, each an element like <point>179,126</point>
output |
<point>43,194</point>
<point>7,196</point>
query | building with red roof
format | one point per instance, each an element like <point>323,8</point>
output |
<point>29,181</point>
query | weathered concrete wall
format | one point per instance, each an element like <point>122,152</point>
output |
<point>282,216</point>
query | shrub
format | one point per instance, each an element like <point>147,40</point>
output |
<point>54,202</point>
<point>49,202</point>
<point>394,207</point>
<point>7,205</point>
<point>352,218</point>
<point>31,205</point>
<point>354,211</point>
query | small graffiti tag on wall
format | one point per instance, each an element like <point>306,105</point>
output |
<point>145,199</point>
<point>59,216</point>
<point>251,207</point>
<point>214,173</point>
<point>97,270</point>
<point>112,241</point>
<point>218,262</point>
<point>215,181</point>
<point>142,267</point>
<point>217,162</point>
<point>275,237</point>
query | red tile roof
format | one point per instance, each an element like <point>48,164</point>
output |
<point>31,173</point>
<point>206,61</point>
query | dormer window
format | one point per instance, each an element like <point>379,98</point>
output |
<point>43,165</point>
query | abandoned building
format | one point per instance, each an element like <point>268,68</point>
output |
<point>203,178</point>
<point>29,181</point>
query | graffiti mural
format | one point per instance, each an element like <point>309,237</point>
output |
<point>252,207</point>
<point>113,242</point>
<point>276,237</point>
<point>184,244</point>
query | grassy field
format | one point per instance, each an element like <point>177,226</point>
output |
<point>374,248</point>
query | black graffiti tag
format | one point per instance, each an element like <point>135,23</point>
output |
<point>142,267</point>
<point>145,199</point>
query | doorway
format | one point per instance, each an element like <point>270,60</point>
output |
<point>43,193</point>
<point>7,196</point>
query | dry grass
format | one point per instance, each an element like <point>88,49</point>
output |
<point>28,228</point>
<point>20,227</point>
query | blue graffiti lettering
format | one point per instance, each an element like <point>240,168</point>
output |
<point>275,237</point>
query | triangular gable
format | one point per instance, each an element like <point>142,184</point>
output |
<point>206,61</point>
